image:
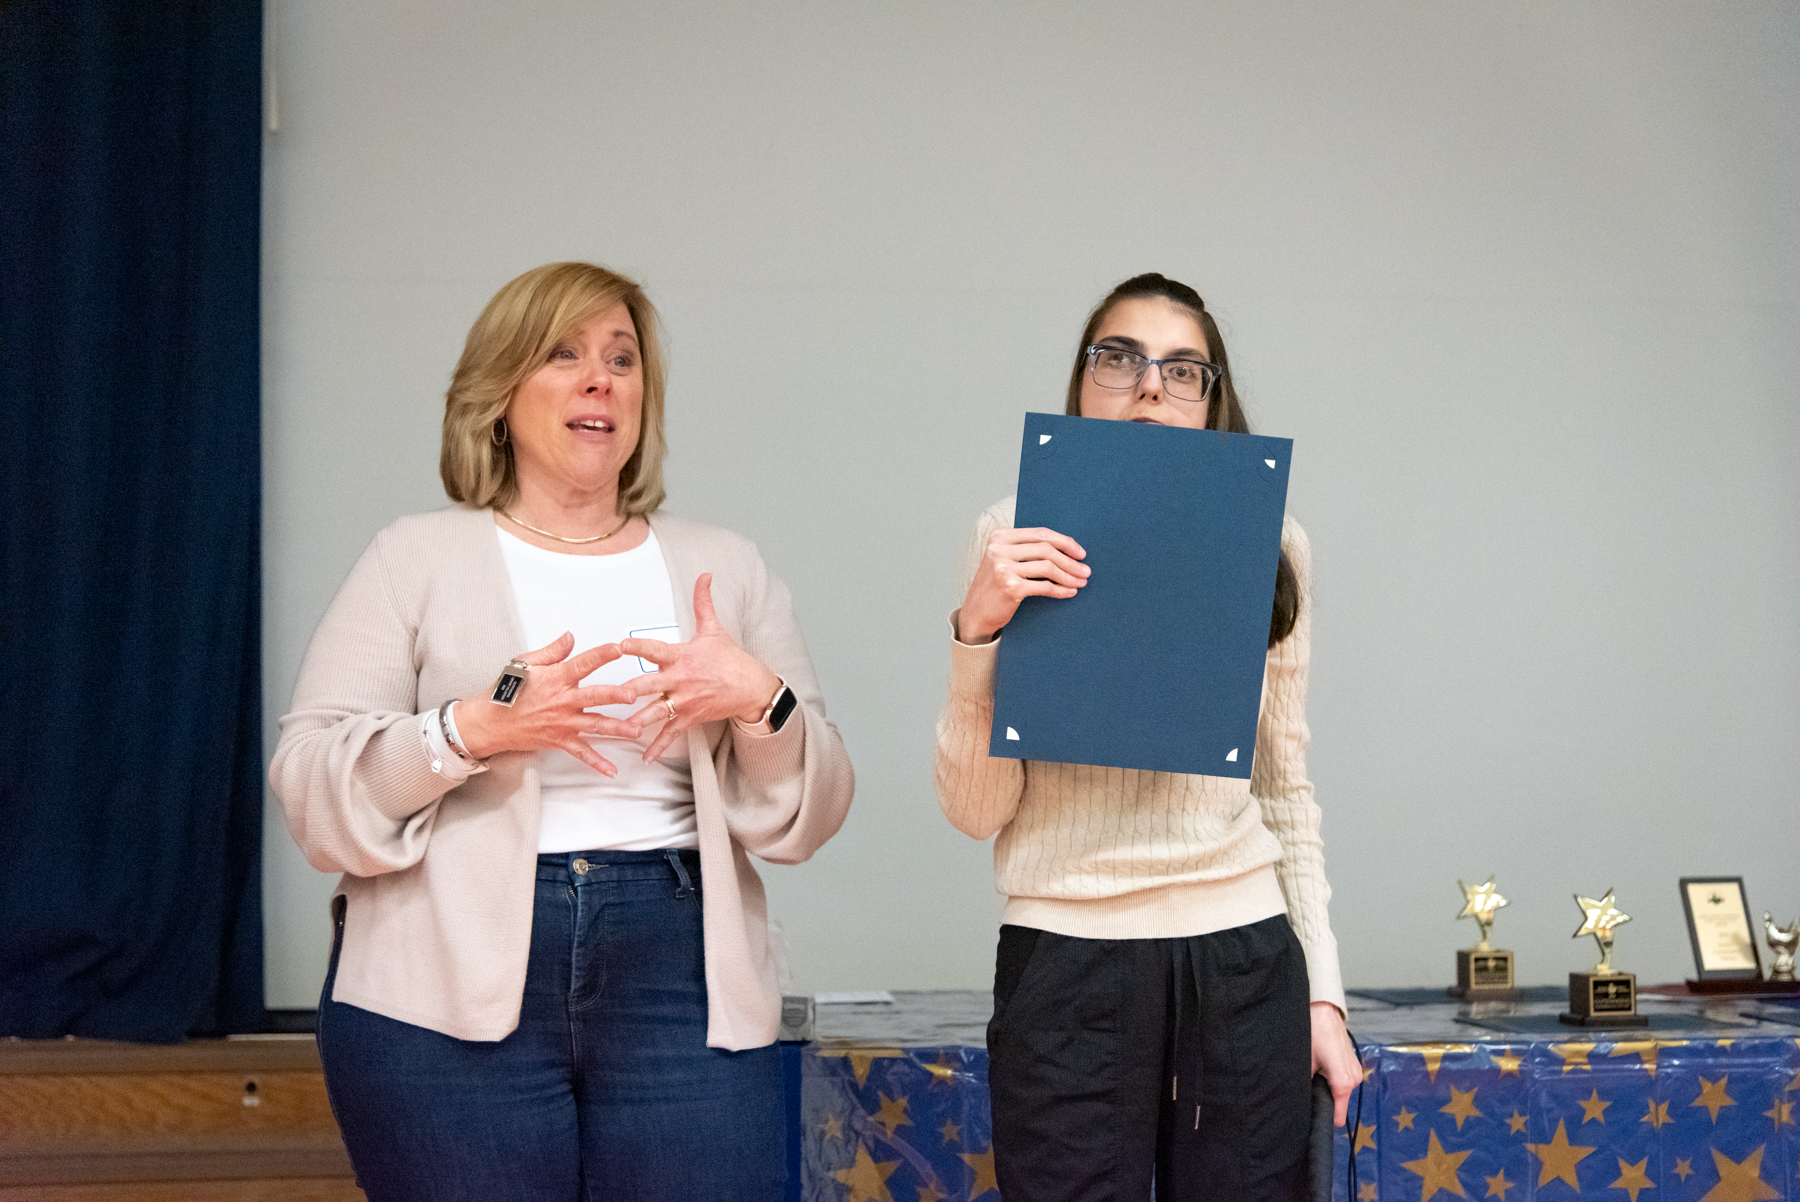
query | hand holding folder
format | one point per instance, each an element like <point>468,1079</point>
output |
<point>1156,661</point>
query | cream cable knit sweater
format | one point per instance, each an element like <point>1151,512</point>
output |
<point>1116,853</point>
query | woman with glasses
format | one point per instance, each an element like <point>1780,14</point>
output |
<point>1166,982</point>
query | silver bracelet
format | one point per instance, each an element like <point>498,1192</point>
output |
<point>431,758</point>
<point>450,739</point>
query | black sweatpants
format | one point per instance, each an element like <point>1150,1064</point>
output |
<point>1111,1060</point>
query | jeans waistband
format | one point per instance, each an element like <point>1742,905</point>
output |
<point>681,864</point>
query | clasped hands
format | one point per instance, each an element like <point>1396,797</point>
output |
<point>706,679</point>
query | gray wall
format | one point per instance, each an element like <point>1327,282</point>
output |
<point>1520,280</point>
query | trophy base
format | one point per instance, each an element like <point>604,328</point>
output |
<point>1599,999</point>
<point>1612,1021</point>
<point>1484,976</point>
<point>1742,985</point>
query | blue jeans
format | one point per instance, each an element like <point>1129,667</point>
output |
<point>606,1090</point>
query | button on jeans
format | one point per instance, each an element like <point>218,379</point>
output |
<point>606,1090</point>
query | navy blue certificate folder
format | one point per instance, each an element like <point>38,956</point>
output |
<point>1158,662</point>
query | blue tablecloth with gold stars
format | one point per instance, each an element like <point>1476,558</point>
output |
<point>894,1106</point>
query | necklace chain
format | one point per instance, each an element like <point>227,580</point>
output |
<point>593,538</point>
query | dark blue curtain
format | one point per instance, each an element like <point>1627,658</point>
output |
<point>130,609</point>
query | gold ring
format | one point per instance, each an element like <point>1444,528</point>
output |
<point>669,705</point>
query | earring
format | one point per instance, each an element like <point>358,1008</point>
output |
<point>498,432</point>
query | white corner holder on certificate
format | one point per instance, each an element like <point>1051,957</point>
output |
<point>1726,958</point>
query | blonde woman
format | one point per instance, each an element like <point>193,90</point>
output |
<point>540,732</point>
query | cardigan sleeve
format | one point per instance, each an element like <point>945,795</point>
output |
<point>978,792</point>
<point>351,769</point>
<point>787,792</point>
<point>1280,785</point>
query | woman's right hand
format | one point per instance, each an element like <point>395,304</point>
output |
<point>1033,562</point>
<point>551,711</point>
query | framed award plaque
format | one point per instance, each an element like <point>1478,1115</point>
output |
<point>1718,921</point>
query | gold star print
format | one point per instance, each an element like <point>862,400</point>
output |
<point>833,1127</point>
<point>951,1131</point>
<point>1498,1185</point>
<point>929,1192</point>
<point>1632,1178</point>
<point>1594,1108</point>
<point>1574,1055</point>
<point>1739,1182</point>
<point>1438,1169</point>
<point>1365,1138</point>
<point>1369,1071</point>
<point>866,1178</point>
<point>1516,1122</point>
<point>1782,1112</point>
<point>983,1164</point>
<point>1403,1120</point>
<point>1507,1063</point>
<point>1658,1118</point>
<point>1683,1169</point>
<point>1462,1105</point>
<point>1724,1043</point>
<point>1645,1049</point>
<point>1558,1158</point>
<point>1433,1053</point>
<point>1795,1083</point>
<point>1365,1192</point>
<point>944,1071</point>
<point>861,1058</point>
<point>892,1114</point>
<point>1712,1096</point>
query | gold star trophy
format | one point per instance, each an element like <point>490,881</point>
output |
<point>1602,998</point>
<point>1483,972</point>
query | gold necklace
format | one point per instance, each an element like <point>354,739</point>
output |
<point>596,538</point>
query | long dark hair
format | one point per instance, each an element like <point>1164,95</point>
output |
<point>1224,413</point>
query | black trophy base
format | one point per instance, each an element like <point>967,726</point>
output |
<point>1603,999</point>
<point>1484,976</point>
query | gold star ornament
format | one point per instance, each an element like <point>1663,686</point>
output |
<point>1479,903</point>
<point>1599,919</point>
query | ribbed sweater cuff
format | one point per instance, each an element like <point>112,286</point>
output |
<point>972,666</point>
<point>1322,972</point>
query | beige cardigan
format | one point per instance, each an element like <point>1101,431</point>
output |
<point>439,885</point>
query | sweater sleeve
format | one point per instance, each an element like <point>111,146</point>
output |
<point>787,792</point>
<point>351,768</point>
<point>979,793</point>
<point>1280,785</point>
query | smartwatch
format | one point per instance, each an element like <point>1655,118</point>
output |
<point>784,704</point>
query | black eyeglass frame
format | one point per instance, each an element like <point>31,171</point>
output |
<point>1212,371</point>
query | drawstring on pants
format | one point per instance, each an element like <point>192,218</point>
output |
<point>686,888</point>
<point>1183,972</point>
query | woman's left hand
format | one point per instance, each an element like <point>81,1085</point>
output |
<point>1333,1055</point>
<point>707,678</point>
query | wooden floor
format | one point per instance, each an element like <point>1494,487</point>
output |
<point>238,1120</point>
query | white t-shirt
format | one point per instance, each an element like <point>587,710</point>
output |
<point>605,599</point>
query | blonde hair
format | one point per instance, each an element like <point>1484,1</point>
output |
<point>512,338</point>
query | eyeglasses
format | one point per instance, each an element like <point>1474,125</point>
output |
<point>1183,379</point>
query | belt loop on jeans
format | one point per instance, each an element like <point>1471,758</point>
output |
<point>686,888</point>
